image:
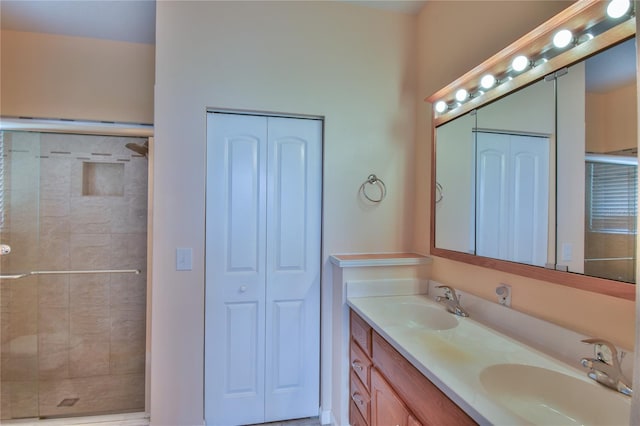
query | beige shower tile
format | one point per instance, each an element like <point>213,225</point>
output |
<point>54,227</point>
<point>128,289</point>
<point>89,356</point>
<point>129,251</point>
<point>95,394</point>
<point>23,293</point>
<point>90,215</point>
<point>54,207</point>
<point>53,321</point>
<point>5,400</point>
<point>23,329</point>
<point>90,251</point>
<point>5,334</point>
<point>55,176</point>
<point>127,357</point>
<point>86,320</point>
<point>20,368</point>
<point>54,253</point>
<point>136,178</point>
<point>89,290</point>
<point>129,214</point>
<point>53,291</point>
<point>128,324</point>
<point>19,399</point>
<point>53,356</point>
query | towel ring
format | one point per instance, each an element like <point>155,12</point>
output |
<point>374,180</point>
<point>439,192</point>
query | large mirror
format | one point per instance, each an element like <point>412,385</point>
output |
<point>542,180</point>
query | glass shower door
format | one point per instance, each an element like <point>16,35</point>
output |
<point>73,210</point>
<point>19,224</point>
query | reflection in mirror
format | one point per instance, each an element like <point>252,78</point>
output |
<point>494,168</point>
<point>611,164</point>
<point>513,191</point>
<point>515,184</point>
<point>454,211</point>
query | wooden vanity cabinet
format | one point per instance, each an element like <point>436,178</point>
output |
<point>387,390</point>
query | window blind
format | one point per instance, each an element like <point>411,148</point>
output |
<point>612,197</point>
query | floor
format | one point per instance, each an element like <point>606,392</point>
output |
<point>134,419</point>
<point>310,421</point>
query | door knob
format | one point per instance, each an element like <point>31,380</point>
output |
<point>4,249</point>
<point>243,288</point>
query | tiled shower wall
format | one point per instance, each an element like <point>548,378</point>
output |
<point>73,344</point>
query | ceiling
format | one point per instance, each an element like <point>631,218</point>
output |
<point>120,20</point>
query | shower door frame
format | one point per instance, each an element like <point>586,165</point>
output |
<point>106,129</point>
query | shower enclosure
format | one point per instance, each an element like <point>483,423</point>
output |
<point>73,229</point>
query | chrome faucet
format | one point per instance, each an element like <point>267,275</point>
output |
<point>605,367</point>
<point>451,301</point>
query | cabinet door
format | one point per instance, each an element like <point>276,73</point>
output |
<point>387,408</point>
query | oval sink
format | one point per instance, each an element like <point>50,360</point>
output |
<point>416,315</point>
<point>546,397</point>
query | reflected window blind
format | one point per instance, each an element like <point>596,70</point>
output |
<point>612,197</point>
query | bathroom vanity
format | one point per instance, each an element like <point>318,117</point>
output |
<point>386,389</point>
<point>412,363</point>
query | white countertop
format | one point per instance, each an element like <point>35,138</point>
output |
<point>455,360</point>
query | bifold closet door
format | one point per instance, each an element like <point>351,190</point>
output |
<point>262,268</point>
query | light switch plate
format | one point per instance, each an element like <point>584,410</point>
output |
<point>184,258</point>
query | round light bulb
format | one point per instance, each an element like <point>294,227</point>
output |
<point>487,81</point>
<point>520,63</point>
<point>461,95</point>
<point>618,8</point>
<point>441,106</point>
<point>562,38</point>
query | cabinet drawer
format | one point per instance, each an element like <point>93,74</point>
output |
<point>429,405</point>
<point>355,418</point>
<point>360,397</point>
<point>361,333</point>
<point>361,365</point>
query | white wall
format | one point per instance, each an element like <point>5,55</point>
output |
<point>354,66</point>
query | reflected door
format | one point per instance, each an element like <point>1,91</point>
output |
<point>262,318</point>
<point>512,197</point>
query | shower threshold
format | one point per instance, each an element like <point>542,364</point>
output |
<point>128,419</point>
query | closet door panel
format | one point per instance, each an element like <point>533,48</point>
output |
<point>293,268</point>
<point>235,269</point>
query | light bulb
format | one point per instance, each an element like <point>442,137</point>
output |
<point>461,95</point>
<point>618,8</point>
<point>441,106</point>
<point>520,63</point>
<point>487,81</point>
<point>562,38</point>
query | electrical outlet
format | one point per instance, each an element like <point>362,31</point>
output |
<point>503,291</point>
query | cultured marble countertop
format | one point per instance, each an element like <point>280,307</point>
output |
<point>459,361</point>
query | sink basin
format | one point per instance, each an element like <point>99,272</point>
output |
<point>546,397</point>
<point>416,315</point>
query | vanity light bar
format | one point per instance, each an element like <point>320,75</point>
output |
<point>561,39</point>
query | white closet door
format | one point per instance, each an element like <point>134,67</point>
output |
<point>235,269</point>
<point>262,312</point>
<point>293,268</point>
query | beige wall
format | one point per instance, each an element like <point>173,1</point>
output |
<point>611,118</point>
<point>53,76</point>
<point>448,46</point>
<point>352,65</point>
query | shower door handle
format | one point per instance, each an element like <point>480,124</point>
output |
<point>99,271</point>
<point>12,277</point>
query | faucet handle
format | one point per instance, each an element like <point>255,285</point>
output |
<point>608,355</point>
<point>449,292</point>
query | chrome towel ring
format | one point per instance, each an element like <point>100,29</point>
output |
<point>439,192</point>
<point>374,180</point>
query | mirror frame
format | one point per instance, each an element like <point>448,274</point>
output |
<point>576,18</point>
